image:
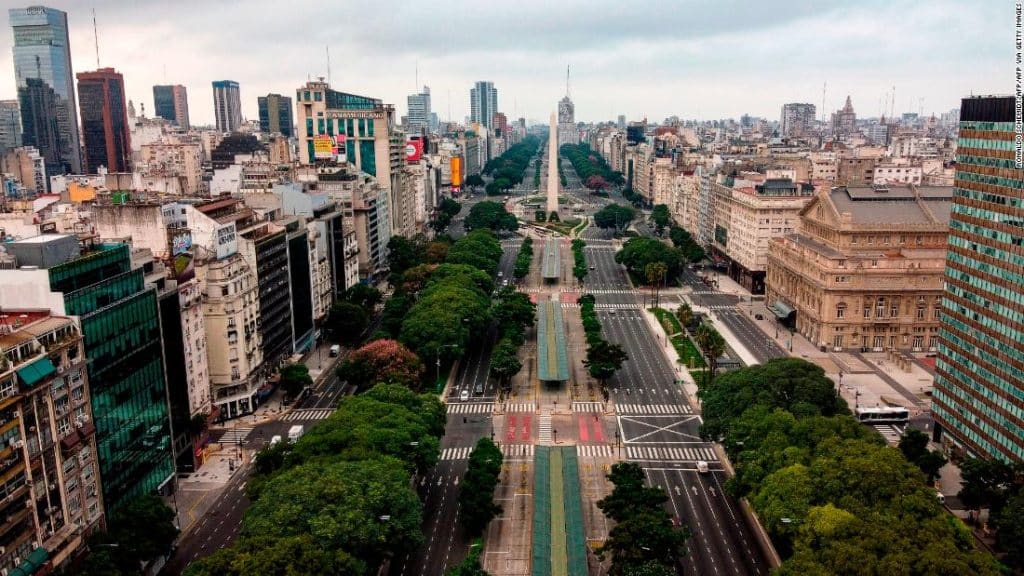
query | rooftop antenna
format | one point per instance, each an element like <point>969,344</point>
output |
<point>417,86</point>
<point>96,38</point>
<point>449,105</point>
<point>824,88</point>
<point>892,113</point>
<point>328,49</point>
<point>567,66</point>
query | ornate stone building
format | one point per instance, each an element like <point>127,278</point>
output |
<point>865,270</point>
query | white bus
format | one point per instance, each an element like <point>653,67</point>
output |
<point>883,415</point>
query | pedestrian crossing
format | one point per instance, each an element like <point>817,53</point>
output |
<point>670,453</point>
<point>470,407</point>
<point>618,307</point>
<point>587,407</point>
<point>235,435</point>
<point>544,432</point>
<point>637,409</point>
<point>307,414</point>
<point>595,451</point>
<point>508,451</point>
<point>520,407</point>
<point>890,432</point>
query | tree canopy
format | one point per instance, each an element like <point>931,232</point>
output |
<point>490,215</point>
<point>476,493</point>
<point>682,240</point>
<point>614,216</point>
<point>638,252</point>
<point>587,163</point>
<point>346,322</point>
<point>661,217</point>
<point>382,361</point>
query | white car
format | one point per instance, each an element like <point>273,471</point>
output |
<point>464,396</point>
<point>702,467</point>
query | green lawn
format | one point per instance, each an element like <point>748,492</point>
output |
<point>668,321</point>
<point>689,355</point>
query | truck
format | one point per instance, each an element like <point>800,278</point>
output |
<point>295,432</point>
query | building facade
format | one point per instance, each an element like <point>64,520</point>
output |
<point>483,103</point>
<point>419,119</point>
<point>46,90</point>
<point>170,102</point>
<point>864,270</point>
<point>227,105</point>
<point>844,121</point>
<point>567,133</point>
<point>105,131</point>
<point>27,166</point>
<point>797,120</point>
<point>10,125</point>
<point>51,493</point>
<point>979,386</point>
<point>276,115</point>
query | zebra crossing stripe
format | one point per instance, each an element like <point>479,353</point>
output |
<point>595,451</point>
<point>670,454</point>
<point>521,407</point>
<point>518,451</point>
<point>475,408</point>
<point>632,409</point>
<point>587,406</point>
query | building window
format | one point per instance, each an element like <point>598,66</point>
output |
<point>937,313</point>
<point>867,311</point>
<point>879,341</point>
<point>894,310</point>
<point>918,341</point>
<point>837,341</point>
<point>841,311</point>
<point>880,308</point>
<point>920,312</point>
<point>892,341</point>
<point>874,263</point>
<point>318,96</point>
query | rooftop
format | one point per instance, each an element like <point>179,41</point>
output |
<point>895,205</point>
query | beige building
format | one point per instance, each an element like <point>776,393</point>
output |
<point>50,498</point>
<point>183,161</point>
<point>865,270</point>
<point>27,166</point>
<point>751,209</point>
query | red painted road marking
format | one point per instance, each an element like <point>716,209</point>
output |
<point>598,431</point>
<point>510,429</point>
<point>526,427</point>
<point>584,434</point>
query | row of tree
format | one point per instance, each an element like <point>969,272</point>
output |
<point>476,493</point>
<point>579,258</point>
<point>682,240</point>
<point>513,312</point>
<point>603,358</point>
<point>492,216</point>
<point>644,540</point>
<point>999,487</point>
<point>523,259</point>
<point>834,497</point>
<point>661,218</point>
<point>633,198</point>
<point>615,216</point>
<point>139,531</point>
<point>348,318</point>
<point>446,210</point>
<point>588,164</point>
<point>508,168</point>
<point>339,501</point>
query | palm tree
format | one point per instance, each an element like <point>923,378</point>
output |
<point>711,344</point>
<point>685,315</point>
<point>655,272</point>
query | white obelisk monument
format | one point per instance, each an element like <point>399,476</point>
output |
<point>553,166</point>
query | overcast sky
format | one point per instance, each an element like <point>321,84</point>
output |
<point>694,58</point>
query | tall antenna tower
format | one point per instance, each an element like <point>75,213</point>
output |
<point>567,66</point>
<point>417,86</point>
<point>824,88</point>
<point>96,38</point>
<point>328,50</point>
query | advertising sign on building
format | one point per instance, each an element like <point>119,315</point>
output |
<point>226,240</point>
<point>180,240</point>
<point>413,150</point>
<point>456,172</point>
<point>340,152</point>
<point>323,147</point>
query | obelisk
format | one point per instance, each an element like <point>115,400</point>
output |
<point>552,166</point>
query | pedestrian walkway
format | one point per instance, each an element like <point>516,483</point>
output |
<point>235,435</point>
<point>471,408</point>
<point>508,452</point>
<point>595,451</point>
<point>890,432</point>
<point>307,414</point>
<point>618,307</point>
<point>587,407</point>
<point>671,454</point>
<point>520,407</point>
<point>544,431</point>
<point>635,409</point>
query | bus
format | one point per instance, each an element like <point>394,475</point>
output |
<point>883,415</point>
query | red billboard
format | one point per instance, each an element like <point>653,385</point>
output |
<point>413,150</point>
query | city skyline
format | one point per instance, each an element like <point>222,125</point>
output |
<point>705,65</point>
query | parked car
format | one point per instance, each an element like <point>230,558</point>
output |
<point>758,316</point>
<point>335,350</point>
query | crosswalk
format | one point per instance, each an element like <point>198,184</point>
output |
<point>890,432</point>
<point>520,407</point>
<point>636,409</point>
<point>544,432</point>
<point>618,307</point>
<point>236,435</point>
<point>595,451</point>
<point>587,407</point>
<point>508,452</point>
<point>307,414</point>
<point>670,453</point>
<point>470,408</point>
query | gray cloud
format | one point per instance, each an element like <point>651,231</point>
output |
<point>688,58</point>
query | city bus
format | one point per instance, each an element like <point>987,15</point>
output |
<point>883,415</point>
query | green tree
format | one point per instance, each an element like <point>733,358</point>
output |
<point>474,181</point>
<point>603,360</point>
<point>476,495</point>
<point>1010,531</point>
<point>637,253</point>
<point>914,446</point>
<point>685,315</point>
<point>656,273</point>
<point>470,565</point>
<point>614,216</point>
<point>295,377</point>
<point>661,217</point>
<point>711,344</point>
<point>141,530</point>
<point>346,322</point>
<point>505,362</point>
<point>491,215</point>
<point>989,483</point>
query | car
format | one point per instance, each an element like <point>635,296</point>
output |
<point>499,274</point>
<point>335,350</point>
<point>464,396</point>
<point>612,312</point>
<point>758,316</point>
<point>478,389</point>
<point>702,467</point>
<point>275,440</point>
<point>592,267</point>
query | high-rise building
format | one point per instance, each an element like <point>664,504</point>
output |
<point>567,133</point>
<point>483,103</point>
<point>797,119</point>
<point>621,122</point>
<point>276,115</point>
<point>419,119</point>
<point>844,121</point>
<point>105,130</point>
<point>227,105</point>
<point>978,399</point>
<point>121,326</point>
<point>10,125</point>
<point>46,91</point>
<point>170,102</point>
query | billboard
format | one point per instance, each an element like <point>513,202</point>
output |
<point>456,171</point>
<point>413,150</point>
<point>340,148</point>
<point>323,147</point>
<point>180,240</point>
<point>226,240</point>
